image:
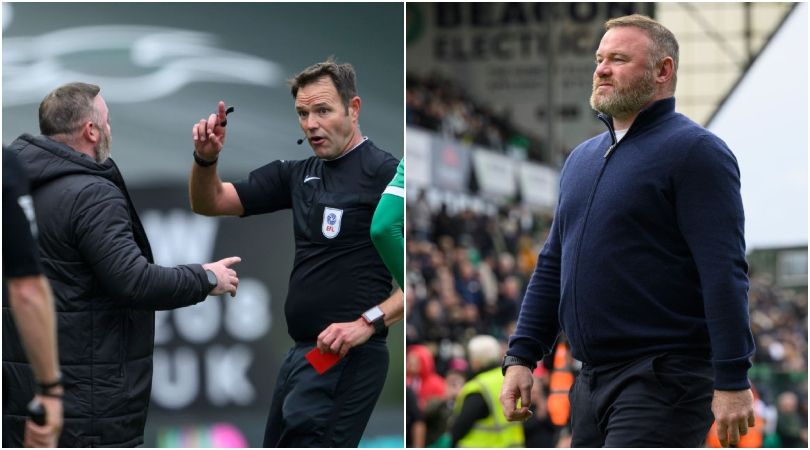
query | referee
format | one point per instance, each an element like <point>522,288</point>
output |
<point>339,300</point>
<point>27,298</point>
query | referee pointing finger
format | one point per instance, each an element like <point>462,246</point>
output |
<point>339,303</point>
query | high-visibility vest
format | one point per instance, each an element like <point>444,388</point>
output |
<point>493,431</point>
<point>562,378</point>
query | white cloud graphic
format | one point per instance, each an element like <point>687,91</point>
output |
<point>171,57</point>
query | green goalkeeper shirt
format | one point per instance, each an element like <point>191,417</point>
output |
<point>388,223</point>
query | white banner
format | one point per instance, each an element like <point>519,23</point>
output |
<point>539,186</point>
<point>417,165</point>
<point>495,174</point>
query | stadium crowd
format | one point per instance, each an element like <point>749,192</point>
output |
<point>437,104</point>
<point>466,274</point>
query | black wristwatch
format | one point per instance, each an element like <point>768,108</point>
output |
<point>46,389</point>
<point>376,317</point>
<point>212,279</point>
<point>510,360</point>
<point>204,162</point>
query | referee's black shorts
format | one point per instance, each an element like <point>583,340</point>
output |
<point>656,401</point>
<point>329,410</point>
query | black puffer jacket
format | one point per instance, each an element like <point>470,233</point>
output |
<point>96,255</point>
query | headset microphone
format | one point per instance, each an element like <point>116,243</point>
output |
<point>300,141</point>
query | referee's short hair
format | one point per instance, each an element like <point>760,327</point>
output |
<point>342,76</point>
<point>66,108</point>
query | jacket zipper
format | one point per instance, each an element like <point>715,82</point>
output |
<point>606,156</point>
<point>607,121</point>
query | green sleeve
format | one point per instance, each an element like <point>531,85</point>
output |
<point>387,233</point>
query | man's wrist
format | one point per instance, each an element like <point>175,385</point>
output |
<point>212,280</point>
<point>376,318</point>
<point>204,162</point>
<point>509,361</point>
<point>51,388</point>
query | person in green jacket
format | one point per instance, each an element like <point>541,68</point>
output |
<point>387,225</point>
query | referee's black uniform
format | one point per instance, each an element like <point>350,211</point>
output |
<point>337,275</point>
<point>20,254</point>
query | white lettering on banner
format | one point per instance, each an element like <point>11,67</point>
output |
<point>175,378</point>
<point>501,54</point>
<point>199,323</point>
<point>180,237</point>
<point>226,375</point>
<point>248,317</point>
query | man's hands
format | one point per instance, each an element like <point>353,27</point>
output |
<point>734,413</point>
<point>47,435</point>
<point>341,337</point>
<point>209,135</point>
<point>227,280</point>
<point>517,384</point>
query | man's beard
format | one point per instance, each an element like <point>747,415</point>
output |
<point>624,100</point>
<point>102,148</point>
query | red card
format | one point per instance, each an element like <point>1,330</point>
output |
<point>322,361</point>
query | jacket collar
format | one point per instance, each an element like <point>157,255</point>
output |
<point>647,117</point>
<point>46,160</point>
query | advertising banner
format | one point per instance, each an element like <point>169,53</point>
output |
<point>417,166</point>
<point>539,186</point>
<point>450,163</point>
<point>495,174</point>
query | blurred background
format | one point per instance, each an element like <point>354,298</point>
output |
<point>497,97</point>
<point>162,67</point>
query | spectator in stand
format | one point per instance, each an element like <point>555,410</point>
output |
<point>467,284</point>
<point>438,104</point>
<point>438,414</point>
<point>415,435</point>
<point>419,218</point>
<point>478,419</point>
<point>791,426</point>
<point>422,376</point>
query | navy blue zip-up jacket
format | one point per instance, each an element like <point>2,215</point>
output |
<point>646,253</point>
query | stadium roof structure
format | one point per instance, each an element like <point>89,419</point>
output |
<point>764,121</point>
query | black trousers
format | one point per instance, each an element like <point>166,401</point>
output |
<point>329,410</point>
<point>656,401</point>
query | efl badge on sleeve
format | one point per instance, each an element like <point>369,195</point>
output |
<point>331,222</point>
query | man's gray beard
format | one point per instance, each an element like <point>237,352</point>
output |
<point>102,149</point>
<point>625,101</point>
